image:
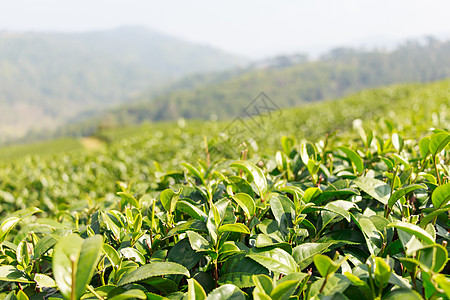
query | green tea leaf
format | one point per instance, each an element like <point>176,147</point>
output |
<point>164,285</point>
<point>283,210</point>
<point>198,243</point>
<point>22,255</point>
<point>183,254</point>
<point>239,279</point>
<point>21,295</point>
<point>337,283</point>
<point>401,294</point>
<point>195,290</point>
<point>414,230</point>
<point>397,141</point>
<point>443,282</point>
<point>326,266</point>
<point>438,142</point>
<point>263,283</point>
<point>44,244</point>
<point>127,197</point>
<point>130,294</point>
<point>373,237</point>
<point>6,227</point>
<point>194,171</point>
<point>237,227</point>
<point>256,175</point>
<point>153,269</point>
<point>112,255</point>
<point>12,274</point>
<point>169,199</point>
<point>304,253</point>
<point>276,260</point>
<point>427,219</point>
<point>402,192</point>
<point>337,210</point>
<point>191,225</point>
<point>74,263</point>
<point>308,152</point>
<point>225,292</point>
<point>375,188</point>
<point>43,280</point>
<point>382,272</point>
<point>246,203</point>
<point>285,289</point>
<point>432,258</point>
<point>424,146</point>
<point>354,158</point>
<point>133,254</point>
<point>310,194</point>
<point>192,210</point>
<point>441,196</point>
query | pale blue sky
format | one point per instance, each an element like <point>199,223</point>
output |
<point>250,28</point>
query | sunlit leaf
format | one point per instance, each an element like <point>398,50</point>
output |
<point>74,262</point>
<point>414,230</point>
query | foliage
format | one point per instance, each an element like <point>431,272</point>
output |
<point>359,214</point>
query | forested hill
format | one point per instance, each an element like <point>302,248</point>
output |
<point>289,81</point>
<point>48,78</point>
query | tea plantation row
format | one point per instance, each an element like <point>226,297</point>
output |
<point>258,212</point>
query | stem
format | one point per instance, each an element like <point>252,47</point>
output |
<point>372,286</point>
<point>263,211</point>
<point>38,267</point>
<point>250,220</point>
<point>102,277</point>
<point>74,279</point>
<point>323,284</point>
<point>302,287</point>
<point>153,218</point>
<point>437,172</point>
<point>94,292</point>
<point>413,279</point>
<point>407,208</point>
<point>393,180</point>
<point>420,171</point>
<point>216,273</point>
<point>150,246</point>
<point>380,291</point>
<point>435,220</point>
<point>387,210</point>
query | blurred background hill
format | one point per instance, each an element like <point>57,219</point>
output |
<point>290,80</point>
<point>50,78</point>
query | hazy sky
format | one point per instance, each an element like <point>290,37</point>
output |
<point>250,28</point>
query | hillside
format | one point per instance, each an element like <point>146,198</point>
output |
<point>48,79</point>
<point>388,108</point>
<point>288,81</point>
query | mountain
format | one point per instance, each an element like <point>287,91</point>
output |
<point>288,81</point>
<point>49,78</point>
<point>388,109</point>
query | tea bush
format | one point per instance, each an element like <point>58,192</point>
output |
<point>362,213</point>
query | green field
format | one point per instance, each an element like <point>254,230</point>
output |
<point>341,199</point>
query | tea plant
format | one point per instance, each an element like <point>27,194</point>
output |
<point>309,222</point>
